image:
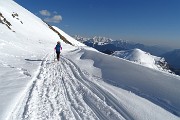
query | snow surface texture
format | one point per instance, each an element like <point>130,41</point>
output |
<point>84,84</point>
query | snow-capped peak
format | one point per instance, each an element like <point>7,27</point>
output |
<point>143,58</point>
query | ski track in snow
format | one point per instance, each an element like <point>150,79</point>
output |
<point>62,91</point>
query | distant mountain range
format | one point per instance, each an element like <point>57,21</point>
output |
<point>173,58</point>
<point>109,46</point>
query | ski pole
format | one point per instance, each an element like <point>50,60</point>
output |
<point>54,56</point>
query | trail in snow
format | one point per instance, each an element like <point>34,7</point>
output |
<point>62,91</point>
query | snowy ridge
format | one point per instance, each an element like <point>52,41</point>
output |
<point>72,40</point>
<point>143,58</point>
<point>84,84</point>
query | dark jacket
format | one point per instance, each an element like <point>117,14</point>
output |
<point>58,47</point>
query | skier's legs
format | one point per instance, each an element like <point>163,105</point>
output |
<point>58,53</point>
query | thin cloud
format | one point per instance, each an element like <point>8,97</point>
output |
<point>45,13</point>
<point>55,12</point>
<point>66,25</point>
<point>54,19</point>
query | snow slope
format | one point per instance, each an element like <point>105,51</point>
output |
<point>21,51</point>
<point>63,91</point>
<point>84,84</point>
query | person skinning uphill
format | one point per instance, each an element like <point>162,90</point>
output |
<point>58,49</point>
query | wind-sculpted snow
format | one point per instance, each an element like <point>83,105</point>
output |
<point>159,87</point>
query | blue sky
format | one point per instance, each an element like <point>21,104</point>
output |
<point>150,22</point>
